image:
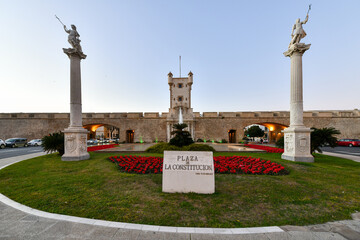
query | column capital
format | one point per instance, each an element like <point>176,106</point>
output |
<point>297,48</point>
<point>71,52</point>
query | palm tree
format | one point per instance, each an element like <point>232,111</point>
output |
<point>323,136</point>
<point>181,138</point>
<point>53,142</point>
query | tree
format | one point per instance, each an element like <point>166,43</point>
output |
<point>181,138</point>
<point>323,136</point>
<point>53,143</point>
<point>254,131</point>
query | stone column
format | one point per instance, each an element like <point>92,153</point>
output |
<point>297,136</point>
<point>193,130</point>
<point>75,134</point>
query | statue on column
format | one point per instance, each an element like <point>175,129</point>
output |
<point>73,38</point>
<point>298,32</point>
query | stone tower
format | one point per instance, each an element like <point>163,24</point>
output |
<point>180,97</point>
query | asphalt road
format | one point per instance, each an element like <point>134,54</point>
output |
<point>14,152</point>
<point>355,151</point>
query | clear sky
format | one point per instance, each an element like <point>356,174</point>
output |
<point>234,48</point>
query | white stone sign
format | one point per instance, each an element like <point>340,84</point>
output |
<point>188,171</point>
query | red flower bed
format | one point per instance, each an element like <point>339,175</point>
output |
<point>138,164</point>
<point>233,164</point>
<point>100,147</point>
<point>266,148</point>
<point>249,165</point>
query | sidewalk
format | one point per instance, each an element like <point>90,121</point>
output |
<point>20,222</point>
<point>346,156</point>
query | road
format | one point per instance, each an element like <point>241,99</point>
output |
<point>354,151</point>
<point>14,152</point>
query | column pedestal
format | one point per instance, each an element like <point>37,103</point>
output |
<point>75,135</point>
<point>75,144</point>
<point>297,145</point>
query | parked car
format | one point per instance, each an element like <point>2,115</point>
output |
<point>349,142</point>
<point>35,142</point>
<point>16,142</point>
<point>2,144</point>
<point>92,142</point>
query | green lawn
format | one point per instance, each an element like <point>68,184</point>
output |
<point>326,190</point>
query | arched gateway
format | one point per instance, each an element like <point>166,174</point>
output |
<point>101,131</point>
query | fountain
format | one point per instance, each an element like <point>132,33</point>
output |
<point>180,116</point>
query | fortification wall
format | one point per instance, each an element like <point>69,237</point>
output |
<point>151,126</point>
<point>31,125</point>
<point>146,126</point>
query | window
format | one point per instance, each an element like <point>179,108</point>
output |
<point>180,99</point>
<point>180,85</point>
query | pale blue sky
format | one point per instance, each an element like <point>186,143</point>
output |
<point>234,48</point>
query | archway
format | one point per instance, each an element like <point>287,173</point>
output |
<point>102,131</point>
<point>273,131</point>
<point>92,130</point>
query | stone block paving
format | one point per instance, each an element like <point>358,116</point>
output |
<point>15,224</point>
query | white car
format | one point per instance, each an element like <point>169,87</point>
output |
<point>92,142</point>
<point>2,144</point>
<point>35,142</point>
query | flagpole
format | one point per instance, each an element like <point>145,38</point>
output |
<point>180,65</point>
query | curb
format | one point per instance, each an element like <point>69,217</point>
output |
<point>346,156</point>
<point>131,226</point>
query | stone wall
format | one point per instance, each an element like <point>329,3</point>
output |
<point>31,125</point>
<point>149,126</point>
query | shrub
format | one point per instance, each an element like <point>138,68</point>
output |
<point>199,140</point>
<point>198,147</point>
<point>280,143</point>
<point>224,141</point>
<point>161,147</point>
<point>54,143</point>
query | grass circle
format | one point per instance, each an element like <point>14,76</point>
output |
<point>326,190</point>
